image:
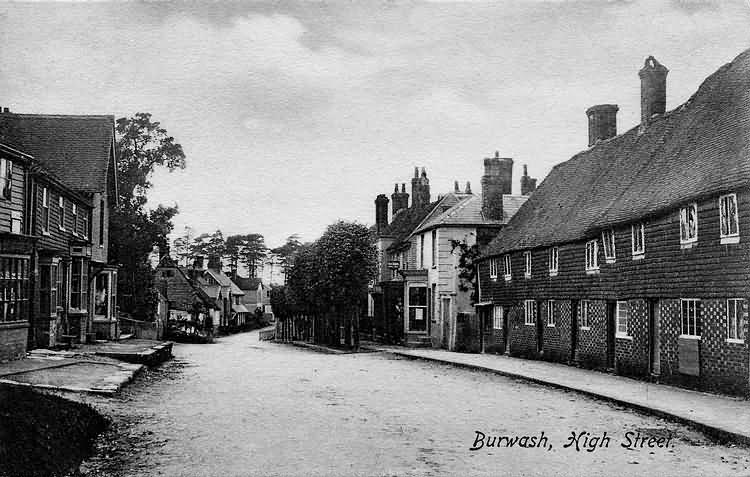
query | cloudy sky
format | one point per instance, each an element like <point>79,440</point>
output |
<point>295,114</point>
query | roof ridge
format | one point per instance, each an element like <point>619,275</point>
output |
<point>60,116</point>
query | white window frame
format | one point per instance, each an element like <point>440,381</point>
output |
<point>75,219</point>
<point>61,213</point>
<point>622,319</point>
<point>493,268</point>
<point>529,312</point>
<point>592,256</point>
<point>608,237</point>
<point>729,236</point>
<point>507,270</point>
<point>551,313</point>
<point>736,327</point>
<point>553,260</point>
<point>6,179</point>
<point>527,264</point>
<point>640,229</point>
<point>685,332</point>
<point>684,214</point>
<point>497,317</point>
<point>583,321</point>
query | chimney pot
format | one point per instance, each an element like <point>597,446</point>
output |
<point>420,190</point>
<point>455,187</point>
<point>528,183</point>
<point>468,187</point>
<point>602,122</point>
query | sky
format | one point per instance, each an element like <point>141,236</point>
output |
<point>293,115</point>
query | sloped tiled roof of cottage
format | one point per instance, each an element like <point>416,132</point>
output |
<point>225,281</point>
<point>405,220</point>
<point>469,212</point>
<point>75,149</point>
<point>699,149</point>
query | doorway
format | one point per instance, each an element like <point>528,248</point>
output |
<point>653,337</point>
<point>573,329</point>
<point>447,323</point>
<point>539,329</point>
<point>611,329</point>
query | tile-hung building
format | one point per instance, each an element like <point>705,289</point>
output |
<point>633,254</point>
<point>386,296</point>
<point>17,248</point>
<point>434,278</point>
<point>70,199</point>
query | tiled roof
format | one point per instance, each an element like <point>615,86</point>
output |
<point>250,284</point>
<point>468,211</point>
<point>225,281</point>
<point>76,149</point>
<point>699,149</point>
<point>406,220</point>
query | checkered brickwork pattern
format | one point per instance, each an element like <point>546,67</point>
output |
<point>632,353</point>
<point>522,336</point>
<point>592,343</point>
<point>556,345</point>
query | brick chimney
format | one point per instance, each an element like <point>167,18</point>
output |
<point>496,181</point>
<point>528,183</point>
<point>214,262</point>
<point>602,122</point>
<point>653,89</point>
<point>420,189</point>
<point>400,200</point>
<point>381,213</point>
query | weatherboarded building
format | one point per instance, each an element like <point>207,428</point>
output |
<point>633,254</point>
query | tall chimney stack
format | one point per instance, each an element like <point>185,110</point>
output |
<point>653,89</point>
<point>496,181</point>
<point>528,183</point>
<point>399,200</point>
<point>420,189</point>
<point>602,122</point>
<point>381,213</point>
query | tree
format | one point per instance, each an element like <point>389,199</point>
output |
<point>181,246</point>
<point>253,252</point>
<point>233,252</point>
<point>467,267</point>
<point>142,145</point>
<point>286,252</point>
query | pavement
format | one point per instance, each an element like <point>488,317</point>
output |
<point>722,417</point>
<point>100,368</point>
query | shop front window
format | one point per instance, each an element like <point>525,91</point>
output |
<point>101,296</point>
<point>14,288</point>
<point>78,284</point>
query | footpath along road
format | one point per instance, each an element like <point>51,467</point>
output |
<point>243,407</point>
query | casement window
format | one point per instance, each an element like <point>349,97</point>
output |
<point>690,314</point>
<point>689,224</point>
<point>14,288</point>
<point>421,251</point>
<point>48,289</point>
<point>101,223</point>
<point>584,318</point>
<point>417,308</point>
<point>493,268</point>
<point>608,239</point>
<point>61,213</point>
<point>529,312</point>
<point>58,292</point>
<point>551,313</point>
<point>15,222</point>
<point>6,178</point>
<point>79,284</point>
<point>729,223</point>
<point>553,261</point>
<point>592,256</point>
<point>497,317</point>
<point>45,210</point>
<point>85,224</point>
<point>637,233</point>
<point>434,249</point>
<point>527,264</point>
<point>75,219</point>
<point>622,314</point>
<point>736,319</point>
<point>506,267</point>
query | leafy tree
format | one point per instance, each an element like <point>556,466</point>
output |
<point>233,252</point>
<point>254,250</point>
<point>181,246</point>
<point>467,266</point>
<point>286,252</point>
<point>142,145</point>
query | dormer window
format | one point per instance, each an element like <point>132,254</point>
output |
<point>592,256</point>
<point>608,239</point>
<point>729,223</point>
<point>507,269</point>
<point>527,264</point>
<point>689,224</point>
<point>637,233</point>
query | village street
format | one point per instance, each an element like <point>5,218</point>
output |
<point>245,407</point>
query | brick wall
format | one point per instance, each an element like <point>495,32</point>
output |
<point>13,337</point>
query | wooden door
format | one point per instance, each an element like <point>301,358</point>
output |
<point>611,329</point>
<point>573,329</point>
<point>654,337</point>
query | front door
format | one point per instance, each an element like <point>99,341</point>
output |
<point>448,325</point>
<point>653,336</point>
<point>417,313</point>
<point>573,329</point>
<point>611,329</point>
<point>539,329</point>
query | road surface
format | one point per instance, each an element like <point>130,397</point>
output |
<point>241,407</point>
